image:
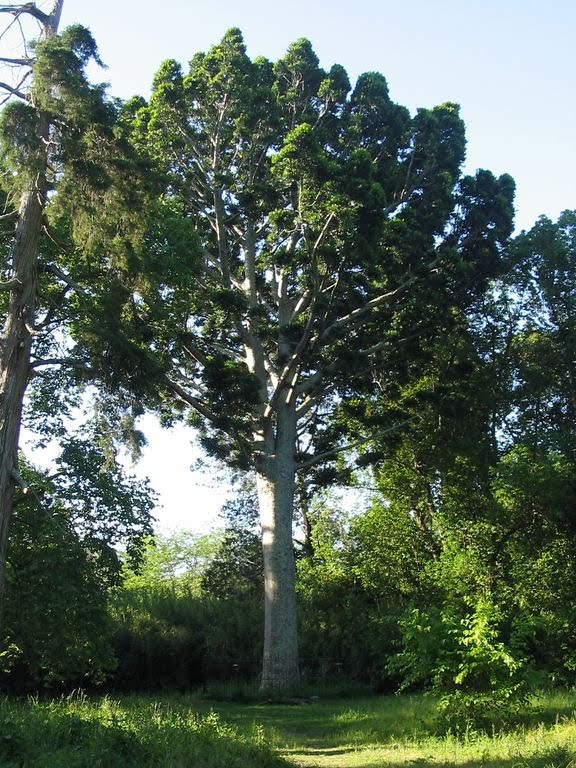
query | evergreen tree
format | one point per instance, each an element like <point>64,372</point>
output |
<point>335,231</point>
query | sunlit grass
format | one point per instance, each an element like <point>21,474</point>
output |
<point>183,731</point>
<point>76,732</point>
<point>402,731</point>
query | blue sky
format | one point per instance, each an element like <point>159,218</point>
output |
<point>510,64</point>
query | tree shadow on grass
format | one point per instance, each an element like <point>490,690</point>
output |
<point>327,724</point>
<point>554,758</point>
<point>386,733</point>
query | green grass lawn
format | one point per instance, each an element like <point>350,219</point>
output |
<point>401,731</point>
<point>186,731</point>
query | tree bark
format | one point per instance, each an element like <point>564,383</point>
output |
<point>18,331</point>
<point>15,356</point>
<point>275,479</point>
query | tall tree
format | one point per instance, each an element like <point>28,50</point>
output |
<point>22,282</point>
<point>335,231</point>
<point>71,191</point>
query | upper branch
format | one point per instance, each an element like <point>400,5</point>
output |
<point>12,91</point>
<point>318,458</point>
<point>26,8</point>
<point>16,62</point>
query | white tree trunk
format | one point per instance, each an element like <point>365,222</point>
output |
<point>275,482</point>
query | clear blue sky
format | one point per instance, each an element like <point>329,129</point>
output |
<point>510,64</point>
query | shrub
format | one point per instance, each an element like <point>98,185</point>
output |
<point>480,679</point>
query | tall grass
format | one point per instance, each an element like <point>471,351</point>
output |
<point>74,732</point>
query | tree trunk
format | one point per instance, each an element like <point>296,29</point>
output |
<point>17,335</point>
<point>276,482</point>
<point>16,344</point>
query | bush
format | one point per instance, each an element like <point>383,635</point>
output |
<point>481,681</point>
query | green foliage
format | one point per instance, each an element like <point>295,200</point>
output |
<point>56,619</point>
<point>174,563</point>
<point>62,561</point>
<point>183,614</point>
<point>463,657</point>
<point>235,572</point>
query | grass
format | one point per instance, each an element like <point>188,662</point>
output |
<point>401,731</point>
<point>186,731</point>
<point>76,732</point>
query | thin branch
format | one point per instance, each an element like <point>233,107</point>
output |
<point>66,362</point>
<point>15,90</point>
<point>418,329</point>
<point>10,284</point>
<point>351,446</point>
<point>57,272</point>
<point>12,91</point>
<point>16,62</point>
<point>365,309</point>
<point>208,413</point>
<point>192,401</point>
<point>322,234</point>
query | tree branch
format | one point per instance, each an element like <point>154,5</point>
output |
<point>207,413</point>
<point>350,446</point>
<point>28,8</point>
<point>57,272</point>
<point>10,284</point>
<point>365,309</point>
<point>16,62</point>
<point>66,362</point>
<point>12,91</point>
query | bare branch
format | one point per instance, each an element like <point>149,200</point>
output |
<point>323,233</point>
<point>12,91</point>
<point>15,90</point>
<point>191,400</point>
<point>360,312</point>
<point>57,272</point>
<point>27,8</point>
<point>65,362</point>
<point>16,62</point>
